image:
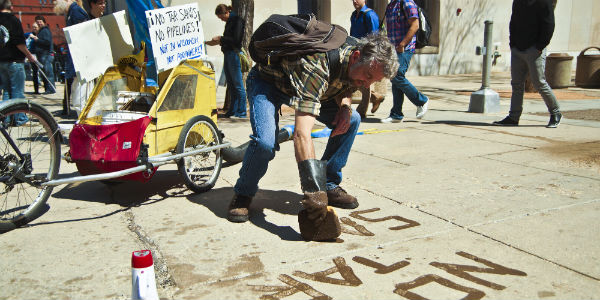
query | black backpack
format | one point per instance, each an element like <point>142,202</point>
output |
<point>293,35</point>
<point>424,33</point>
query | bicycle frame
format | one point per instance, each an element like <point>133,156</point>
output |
<point>24,159</point>
<point>154,161</point>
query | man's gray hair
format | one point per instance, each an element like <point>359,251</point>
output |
<point>377,47</point>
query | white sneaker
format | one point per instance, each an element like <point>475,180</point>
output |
<point>421,110</point>
<point>391,120</point>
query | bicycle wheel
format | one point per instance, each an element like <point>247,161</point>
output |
<point>200,171</point>
<point>29,156</point>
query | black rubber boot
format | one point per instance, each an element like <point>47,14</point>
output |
<point>318,222</point>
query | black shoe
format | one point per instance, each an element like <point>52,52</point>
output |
<point>554,120</point>
<point>508,121</point>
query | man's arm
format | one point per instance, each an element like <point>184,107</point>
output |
<point>374,22</point>
<point>238,33</point>
<point>44,39</point>
<point>412,30</point>
<point>25,51</point>
<point>303,145</point>
<point>546,26</point>
<point>342,118</point>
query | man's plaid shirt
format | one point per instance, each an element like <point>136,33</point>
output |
<point>397,14</point>
<point>306,79</point>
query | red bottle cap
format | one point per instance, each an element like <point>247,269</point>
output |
<point>141,259</point>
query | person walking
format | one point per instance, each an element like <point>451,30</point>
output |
<point>531,28</point>
<point>30,42</point>
<point>12,56</point>
<point>74,14</point>
<point>402,23</point>
<point>44,48</point>
<point>364,21</point>
<point>304,83</point>
<point>231,46</point>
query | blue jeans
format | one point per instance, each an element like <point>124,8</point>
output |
<point>233,74</point>
<point>12,83</point>
<point>401,86</point>
<point>521,63</point>
<point>265,103</point>
<point>47,60</point>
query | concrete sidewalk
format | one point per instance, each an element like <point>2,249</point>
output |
<point>450,207</point>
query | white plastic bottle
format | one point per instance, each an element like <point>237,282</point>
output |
<point>142,276</point>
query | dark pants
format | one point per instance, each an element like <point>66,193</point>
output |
<point>46,61</point>
<point>67,97</point>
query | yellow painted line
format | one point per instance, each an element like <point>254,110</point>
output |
<point>375,130</point>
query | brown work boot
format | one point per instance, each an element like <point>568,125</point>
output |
<point>238,209</point>
<point>376,99</point>
<point>338,197</point>
<point>318,222</point>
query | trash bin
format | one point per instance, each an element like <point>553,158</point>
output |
<point>558,70</point>
<point>587,73</point>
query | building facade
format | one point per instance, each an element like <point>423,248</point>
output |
<point>458,27</point>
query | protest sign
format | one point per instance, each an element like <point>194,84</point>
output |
<point>176,34</point>
<point>98,44</point>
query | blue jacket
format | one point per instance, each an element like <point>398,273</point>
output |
<point>366,22</point>
<point>44,44</point>
<point>75,15</point>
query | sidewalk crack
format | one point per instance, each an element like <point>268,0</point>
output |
<point>163,277</point>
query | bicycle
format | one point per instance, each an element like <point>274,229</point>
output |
<point>29,156</point>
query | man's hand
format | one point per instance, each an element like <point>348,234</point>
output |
<point>214,41</point>
<point>342,120</point>
<point>400,48</point>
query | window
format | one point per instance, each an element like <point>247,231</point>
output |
<point>107,98</point>
<point>182,93</point>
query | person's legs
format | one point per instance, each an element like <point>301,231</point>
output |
<point>67,96</point>
<point>4,80</point>
<point>336,154</point>
<point>401,86</point>
<point>411,92</point>
<point>518,74</point>
<point>338,147</point>
<point>364,102</point>
<point>35,78</point>
<point>263,144</point>
<point>46,61</point>
<point>49,69</point>
<point>235,81</point>
<point>228,79</point>
<point>17,80</point>
<point>537,66</point>
<point>13,82</point>
<point>397,92</point>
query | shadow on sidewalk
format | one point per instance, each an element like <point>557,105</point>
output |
<point>465,123</point>
<point>283,202</point>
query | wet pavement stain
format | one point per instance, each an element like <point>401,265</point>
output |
<point>245,264</point>
<point>77,279</point>
<point>185,277</point>
<point>545,294</point>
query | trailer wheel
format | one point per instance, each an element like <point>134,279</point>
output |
<point>200,171</point>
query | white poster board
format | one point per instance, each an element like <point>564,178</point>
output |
<point>98,44</point>
<point>176,34</point>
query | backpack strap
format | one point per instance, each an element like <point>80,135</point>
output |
<point>333,59</point>
<point>366,24</point>
<point>366,20</point>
